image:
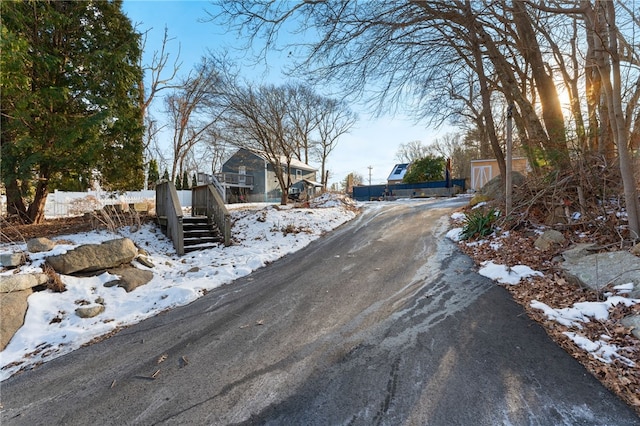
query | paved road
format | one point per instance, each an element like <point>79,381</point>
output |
<point>382,322</point>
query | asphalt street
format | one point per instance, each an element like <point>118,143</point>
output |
<point>381,322</point>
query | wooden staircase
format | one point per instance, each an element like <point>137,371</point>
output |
<point>209,224</point>
<point>199,234</point>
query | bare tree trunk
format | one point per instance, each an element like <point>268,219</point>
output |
<point>489,125</point>
<point>556,146</point>
<point>609,66</point>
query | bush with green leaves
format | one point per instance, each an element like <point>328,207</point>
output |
<point>479,223</point>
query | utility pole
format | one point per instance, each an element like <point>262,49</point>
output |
<point>370,168</point>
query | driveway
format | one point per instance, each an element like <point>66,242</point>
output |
<point>383,321</point>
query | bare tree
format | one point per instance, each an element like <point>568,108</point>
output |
<point>452,146</point>
<point>399,53</point>
<point>608,65</point>
<point>411,151</point>
<point>187,108</point>
<point>257,119</point>
<point>334,119</point>
<point>304,105</point>
<point>160,78</point>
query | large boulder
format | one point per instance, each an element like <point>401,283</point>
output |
<point>597,270</point>
<point>94,257</point>
<point>494,189</point>
<point>13,308</point>
<point>19,282</point>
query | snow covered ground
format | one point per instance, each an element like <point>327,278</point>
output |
<point>263,233</point>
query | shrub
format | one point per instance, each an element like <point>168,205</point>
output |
<point>479,223</point>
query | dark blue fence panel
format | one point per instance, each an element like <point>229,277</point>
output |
<point>371,192</point>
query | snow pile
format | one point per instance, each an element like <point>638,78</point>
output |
<point>329,199</point>
<point>507,274</point>
<point>455,234</point>
<point>262,233</point>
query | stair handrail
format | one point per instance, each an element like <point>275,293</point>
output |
<point>168,209</point>
<point>219,187</point>
<point>205,200</point>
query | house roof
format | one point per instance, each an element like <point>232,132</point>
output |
<point>295,163</point>
<point>398,172</point>
<point>312,183</point>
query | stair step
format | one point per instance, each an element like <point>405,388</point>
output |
<point>189,249</point>
<point>196,226</point>
<point>194,219</point>
<point>195,240</point>
<point>194,233</point>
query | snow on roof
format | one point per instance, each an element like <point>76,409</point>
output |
<point>295,163</point>
<point>313,183</point>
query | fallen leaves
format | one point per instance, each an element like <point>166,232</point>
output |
<point>516,248</point>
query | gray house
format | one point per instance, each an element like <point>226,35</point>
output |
<point>248,176</point>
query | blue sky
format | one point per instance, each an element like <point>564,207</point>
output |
<point>371,142</point>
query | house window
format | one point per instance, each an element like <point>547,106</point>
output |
<point>298,174</point>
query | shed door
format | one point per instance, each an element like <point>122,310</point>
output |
<point>480,175</point>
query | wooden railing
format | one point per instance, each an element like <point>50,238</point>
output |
<point>169,214</point>
<point>235,178</point>
<point>205,200</point>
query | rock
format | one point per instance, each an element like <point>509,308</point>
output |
<point>633,322</point>
<point>19,282</point>
<point>37,245</point>
<point>94,257</point>
<point>13,308</point>
<point>90,311</point>
<point>578,251</point>
<point>12,260</point>
<point>130,278</point>
<point>494,189</point>
<point>143,260</point>
<point>599,269</point>
<point>548,239</point>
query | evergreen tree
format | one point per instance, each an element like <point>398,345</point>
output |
<point>185,181</point>
<point>165,175</point>
<point>194,181</point>
<point>69,76</point>
<point>425,169</point>
<point>178,182</point>
<point>154,174</point>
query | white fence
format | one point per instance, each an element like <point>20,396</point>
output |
<point>63,203</point>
